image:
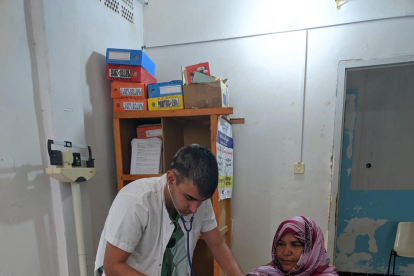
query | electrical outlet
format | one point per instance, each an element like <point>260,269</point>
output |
<point>299,168</point>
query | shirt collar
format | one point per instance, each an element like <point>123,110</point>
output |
<point>163,182</point>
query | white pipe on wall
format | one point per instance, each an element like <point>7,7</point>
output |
<point>302,97</point>
<point>77,209</point>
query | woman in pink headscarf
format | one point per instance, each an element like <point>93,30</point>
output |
<point>298,249</point>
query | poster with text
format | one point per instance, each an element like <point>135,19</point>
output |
<point>225,159</point>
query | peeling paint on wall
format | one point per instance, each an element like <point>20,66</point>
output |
<point>346,257</point>
<point>353,262</point>
<point>407,270</point>
<point>358,208</point>
<point>359,227</point>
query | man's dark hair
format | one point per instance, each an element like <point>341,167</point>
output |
<point>197,163</point>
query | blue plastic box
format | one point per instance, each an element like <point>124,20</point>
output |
<point>164,89</point>
<point>130,57</point>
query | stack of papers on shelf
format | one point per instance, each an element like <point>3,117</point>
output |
<point>146,156</point>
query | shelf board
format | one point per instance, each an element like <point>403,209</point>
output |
<point>138,176</point>
<point>173,113</point>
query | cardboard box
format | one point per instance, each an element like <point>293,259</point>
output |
<point>126,89</point>
<point>146,132</point>
<point>203,68</point>
<point>166,103</point>
<point>129,73</point>
<point>130,57</point>
<point>206,95</point>
<point>164,89</point>
<point>130,104</point>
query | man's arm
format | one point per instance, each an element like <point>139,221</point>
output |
<point>221,252</point>
<point>114,262</point>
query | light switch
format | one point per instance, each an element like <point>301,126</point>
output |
<point>299,168</point>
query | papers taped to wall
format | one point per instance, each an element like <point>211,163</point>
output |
<point>225,158</point>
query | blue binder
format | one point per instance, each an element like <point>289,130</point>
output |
<point>164,89</point>
<point>130,57</point>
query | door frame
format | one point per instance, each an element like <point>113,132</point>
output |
<point>343,67</point>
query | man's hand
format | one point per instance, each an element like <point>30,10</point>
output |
<point>114,262</point>
<point>221,253</point>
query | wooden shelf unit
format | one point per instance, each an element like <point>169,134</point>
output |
<point>179,128</point>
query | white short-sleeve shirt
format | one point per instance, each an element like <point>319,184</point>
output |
<point>138,222</point>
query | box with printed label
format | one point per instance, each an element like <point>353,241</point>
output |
<point>203,68</point>
<point>146,132</point>
<point>126,89</point>
<point>130,104</point>
<point>166,103</point>
<point>129,73</point>
<point>130,57</point>
<point>206,95</point>
<point>164,89</point>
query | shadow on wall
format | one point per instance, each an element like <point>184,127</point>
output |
<point>99,135</point>
<point>26,209</point>
<point>26,205</point>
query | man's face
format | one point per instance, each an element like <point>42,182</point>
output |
<point>186,197</point>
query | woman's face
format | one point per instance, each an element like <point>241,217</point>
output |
<point>288,251</point>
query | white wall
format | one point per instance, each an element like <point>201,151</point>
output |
<point>27,225</point>
<point>171,22</point>
<point>78,38</point>
<point>61,93</point>
<point>264,84</point>
<point>101,28</point>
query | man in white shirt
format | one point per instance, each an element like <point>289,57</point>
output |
<point>143,233</point>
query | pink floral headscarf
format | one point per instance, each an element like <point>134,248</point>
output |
<point>313,262</point>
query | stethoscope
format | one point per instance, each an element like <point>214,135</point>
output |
<point>186,229</point>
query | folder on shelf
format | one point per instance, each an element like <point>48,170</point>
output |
<point>166,103</point>
<point>149,131</point>
<point>127,89</point>
<point>129,73</point>
<point>130,57</point>
<point>130,104</point>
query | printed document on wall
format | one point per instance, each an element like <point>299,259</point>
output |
<point>225,159</point>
